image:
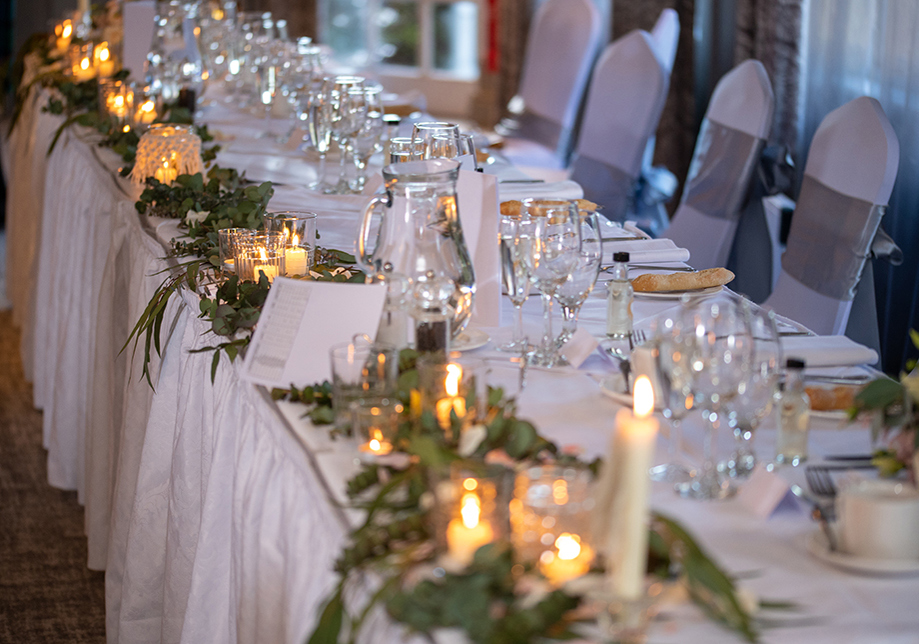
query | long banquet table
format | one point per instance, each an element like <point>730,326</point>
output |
<point>216,512</point>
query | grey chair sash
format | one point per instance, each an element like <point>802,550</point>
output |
<point>606,185</point>
<point>829,240</point>
<point>720,152</point>
<point>884,247</point>
<point>540,129</point>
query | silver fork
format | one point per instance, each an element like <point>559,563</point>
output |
<point>820,481</point>
<point>639,336</point>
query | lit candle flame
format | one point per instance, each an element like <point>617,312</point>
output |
<point>295,241</point>
<point>643,399</point>
<point>470,510</point>
<point>376,441</point>
<point>104,54</point>
<point>68,29</point>
<point>84,64</point>
<point>263,254</point>
<point>451,383</point>
<point>119,101</point>
<point>569,546</point>
<point>147,107</point>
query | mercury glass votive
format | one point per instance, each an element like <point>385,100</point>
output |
<point>550,520</point>
<point>299,230</point>
<point>470,511</point>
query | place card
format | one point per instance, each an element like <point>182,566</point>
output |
<point>477,197</point>
<point>301,321</point>
<point>764,492</point>
<point>579,347</point>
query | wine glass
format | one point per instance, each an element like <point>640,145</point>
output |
<point>348,111</point>
<point>460,147</point>
<point>320,127</point>
<point>425,131</point>
<point>753,401</point>
<point>549,244</point>
<point>367,141</point>
<point>515,278</point>
<point>572,293</point>
<point>672,342</point>
<point>720,350</point>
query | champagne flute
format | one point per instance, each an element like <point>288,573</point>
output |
<point>367,141</point>
<point>721,349</point>
<point>320,127</point>
<point>572,293</point>
<point>672,342</point>
<point>515,278</point>
<point>550,244</point>
<point>753,401</point>
<point>348,110</point>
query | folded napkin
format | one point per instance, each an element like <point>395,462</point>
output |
<point>544,190</point>
<point>646,251</point>
<point>827,350</point>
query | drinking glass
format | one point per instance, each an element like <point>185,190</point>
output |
<point>721,349</point>
<point>424,132</point>
<point>515,278</point>
<point>460,147</point>
<point>549,245</point>
<point>320,127</point>
<point>403,148</point>
<point>348,112</point>
<point>361,370</point>
<point>367,140</point>
<point>753,401</point>
<point>572,293</point>
<point>673,340</point>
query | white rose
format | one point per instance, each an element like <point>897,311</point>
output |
<point>193,217</point>
<point>748,601</point>
<point>470,440</point>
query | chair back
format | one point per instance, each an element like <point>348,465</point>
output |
<point>627,94</point>
<point>850,172</point>
<point>666,35</point>
<point>561,48</point>
<point>728,147</point>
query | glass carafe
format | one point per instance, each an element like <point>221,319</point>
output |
<point>420,230</point>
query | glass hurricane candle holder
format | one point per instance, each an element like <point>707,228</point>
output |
<point>80,61</point>
<point>470,510</point>
<point>550,520</point>
<point>447,390</point>
<point>361,370</point>
<point>103,61</point>
<point>144,113</point>
<point>374,424</point>
<point>299,230</point>
<point>261,252</point>
<point>63,33</point>
<point>117,99</point>
<point>230,241</point>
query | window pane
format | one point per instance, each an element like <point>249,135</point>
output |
<point>399,33</point>
<point>344,27</point>
<point>456,38</point>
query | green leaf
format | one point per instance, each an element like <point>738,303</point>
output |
<point>879,394</point>
<point>330,621</point>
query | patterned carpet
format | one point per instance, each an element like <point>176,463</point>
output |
<point>47,594</point>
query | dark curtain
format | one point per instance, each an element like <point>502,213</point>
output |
<point>770,32</point>
<point>300,15</point>
<point>676,134</point>
<point>507,25</point>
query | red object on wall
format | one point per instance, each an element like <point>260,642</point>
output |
<point>494,53</point>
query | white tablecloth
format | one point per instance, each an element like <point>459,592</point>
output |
<point>213,510</point>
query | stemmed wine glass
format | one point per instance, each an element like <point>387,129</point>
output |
<point>348,111</point>
<point>423,133</point>
<point>367,140</point>
<point>515,278</point>
<point>572,293</point>
<point>549,244</point>
<point>672,342</point>
<point>753,401</point>
<point>720,350</point>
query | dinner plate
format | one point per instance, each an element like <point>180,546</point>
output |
<point>468,340</point>
<point>675,295</point>
<point>817,545</point>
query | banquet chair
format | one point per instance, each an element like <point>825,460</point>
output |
<point>562,45</point>
<point>666,35</point>
<point>850,172</point>
<point>728,147</point>
<point>627,93</point>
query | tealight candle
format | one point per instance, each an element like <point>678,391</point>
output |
<point>167,173</point>
<point>84,71</point>
<point>453,402</point>
<point>146,113</point>
<point>468,532</point>
<point>570,559</point>
<point>376,445</point>
<point>64,33</point>
<point>295,258</point>
<point>633,449</point>
<point>270,271</point>
<point>102,60</point>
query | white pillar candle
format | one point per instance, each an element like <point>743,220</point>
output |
<point>295,260</point>
<point>469,532</point>
<point>270,271</point>
<point>633,449</point>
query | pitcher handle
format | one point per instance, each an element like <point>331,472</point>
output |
<point>385,200</point>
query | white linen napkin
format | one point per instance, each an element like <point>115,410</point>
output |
<point>827,350</point>
<point>646,251</point>
<point>545,190</point>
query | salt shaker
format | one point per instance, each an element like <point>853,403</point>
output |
<point>793,410</point>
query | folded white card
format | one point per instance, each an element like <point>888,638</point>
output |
<point>301,321</point>
<point>764,492</point>
<point>477,201</point>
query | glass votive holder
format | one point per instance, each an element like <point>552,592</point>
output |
<point>550,517</point>
<point>252,262</point>
<point>361,370</point>
<point>165,151</point>
<point>230,241</point>
<point>470,510</point>
<point>375,422</point>
<point>448,391</point>
<point>80,61</point>
<point>299,231</point>
<point>116,98</point>
<point>144,113</point>
<point>403,148</point>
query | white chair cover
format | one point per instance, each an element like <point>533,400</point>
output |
<point>139,25</point>
<point>851,168</point>
<point>666,35</point>
<point>627,94</point>
<point>561,48</point>
<point>736,125</point>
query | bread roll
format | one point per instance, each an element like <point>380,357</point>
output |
<point>835,398</point>
<point>682,281</point>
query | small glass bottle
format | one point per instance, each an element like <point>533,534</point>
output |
<point>619,299</point>
<point>431,312</point>
<point>793,411</point>
<point>393,329</point>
